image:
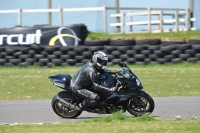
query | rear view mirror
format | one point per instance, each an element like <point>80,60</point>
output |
<point>122,64</point>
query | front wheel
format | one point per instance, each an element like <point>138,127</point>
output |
<point>141,104</point>
<point>60,109</point>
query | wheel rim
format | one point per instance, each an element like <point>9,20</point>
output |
<point>64,111</point>
<point>143,107</point>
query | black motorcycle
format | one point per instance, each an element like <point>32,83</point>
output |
<point>130,95</point>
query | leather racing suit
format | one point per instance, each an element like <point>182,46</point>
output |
<point>87,77</point>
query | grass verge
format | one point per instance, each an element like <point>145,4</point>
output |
<point>171,36</point>
<point>117,123</point>
<point>158,80</point>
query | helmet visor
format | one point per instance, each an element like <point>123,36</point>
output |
<point>102,62</point>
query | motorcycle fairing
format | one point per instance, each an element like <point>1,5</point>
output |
<point>130,78</point>
<point>61,80</point>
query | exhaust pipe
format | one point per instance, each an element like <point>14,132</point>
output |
<point>68,104</point>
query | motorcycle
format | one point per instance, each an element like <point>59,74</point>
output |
<point>130,95</point>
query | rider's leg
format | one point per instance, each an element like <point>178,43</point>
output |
<point>90,98</point>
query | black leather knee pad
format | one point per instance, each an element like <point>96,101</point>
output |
<point>86,94</point>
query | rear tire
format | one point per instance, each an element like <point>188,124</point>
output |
<point>60,109</point>
<point>146,105</point>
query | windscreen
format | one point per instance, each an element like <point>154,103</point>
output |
<point>126,73</point>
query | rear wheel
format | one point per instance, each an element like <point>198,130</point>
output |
<point>60,109</point>
<point>142,104</point>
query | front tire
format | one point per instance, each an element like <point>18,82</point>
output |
<point>145,105</point>
<point>62,110</point>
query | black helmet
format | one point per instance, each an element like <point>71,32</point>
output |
<point>100,59</point>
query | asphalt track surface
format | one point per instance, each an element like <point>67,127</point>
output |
<point>40,111</point>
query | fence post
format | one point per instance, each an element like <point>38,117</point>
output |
<point>19,17</point>
<point>149,19</point>
<point>130,20</point>
<point>187,19</point>
<point>105,18</point>
<point>61,15</point>
<point>161,21</point>
<point>177,20</point>
<point>123,22</point>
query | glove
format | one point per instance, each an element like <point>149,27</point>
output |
<point>113,89</point>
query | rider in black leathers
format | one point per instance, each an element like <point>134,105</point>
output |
<point>87,77</point>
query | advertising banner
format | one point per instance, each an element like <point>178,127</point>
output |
<point>49,36</point>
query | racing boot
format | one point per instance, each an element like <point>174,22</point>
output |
<point>88,104</point>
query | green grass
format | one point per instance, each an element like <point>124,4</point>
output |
<point>171,36</point>
<point>117,123</point>
<point>158,80</point>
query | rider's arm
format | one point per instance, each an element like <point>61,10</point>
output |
<point>109,71</point>
<point>97,86</point>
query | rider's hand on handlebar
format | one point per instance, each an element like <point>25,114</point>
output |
<point>113,89</point>
<point>116,88</point>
